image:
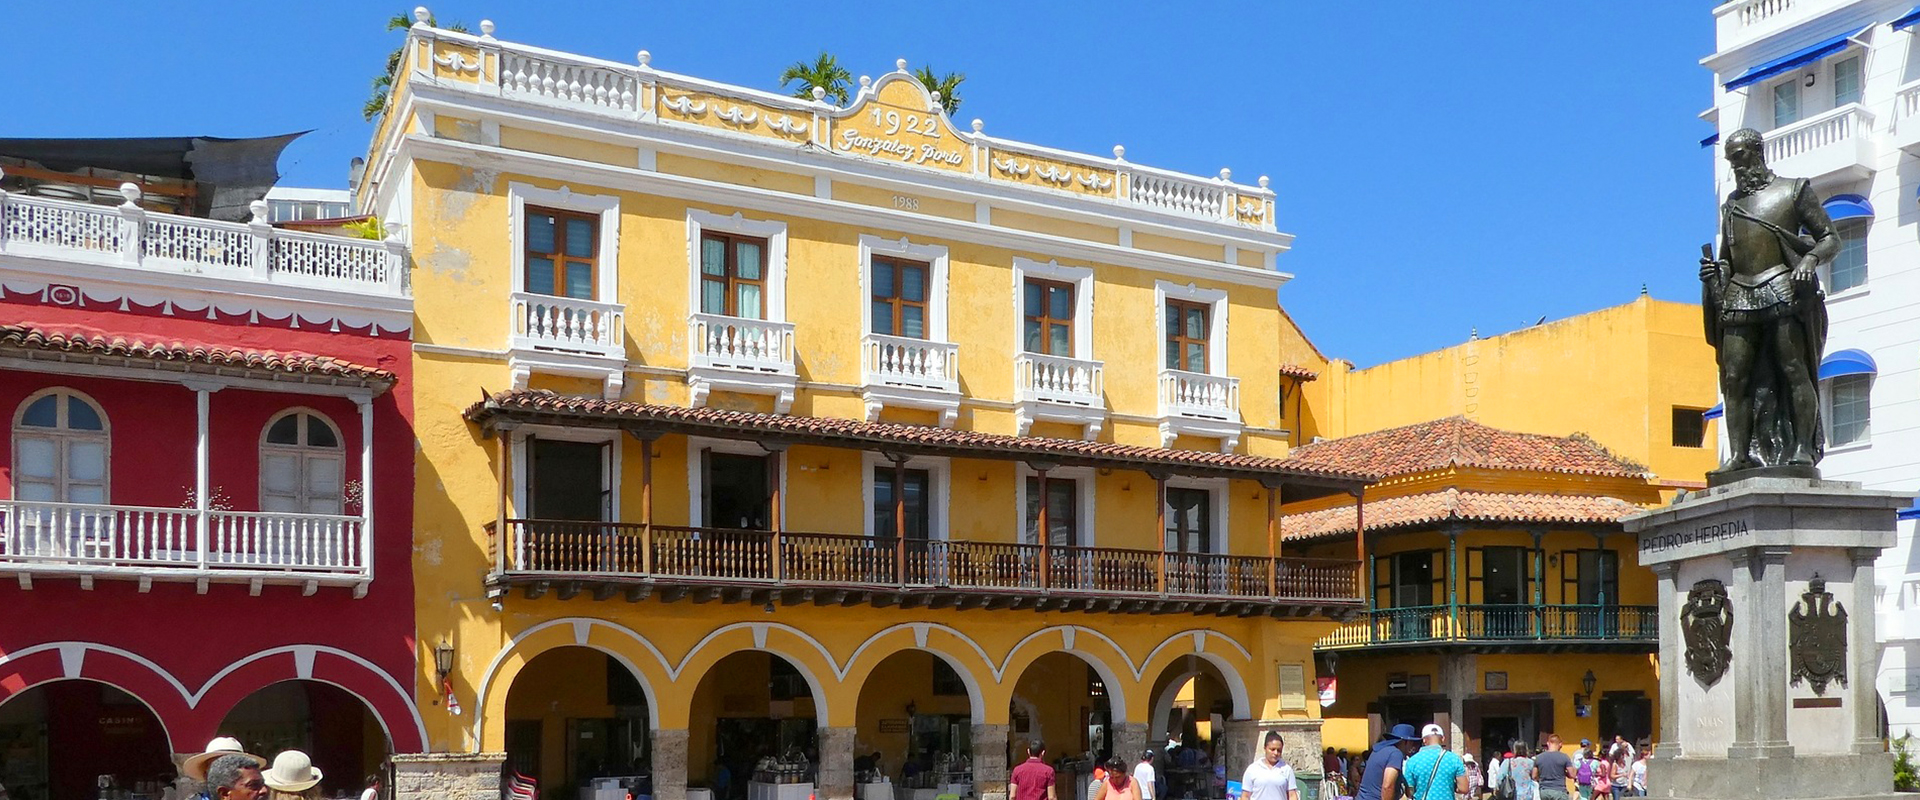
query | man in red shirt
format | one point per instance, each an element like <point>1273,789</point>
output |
<point>1033,779</point>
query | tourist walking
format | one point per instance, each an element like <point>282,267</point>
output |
<point>1521,775</point>
<point>1583,770</point>
<point>1143,774</point>
<point>1495,762</point>
<point>292,777</point>
<point>1435,773</point>
<point>1381,780</point>
<point>235,776</point>
<point>1552,769</point>
<point>372,792</point>
<point>1621,769</point>
<point>1637,776</point>
<point>1476,782</point>
<point>1269,777</point>
<point>1118,783</point>
<point>1603,778</point>
<point>1033,778</point>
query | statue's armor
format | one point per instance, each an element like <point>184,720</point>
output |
<point>1761,287</point>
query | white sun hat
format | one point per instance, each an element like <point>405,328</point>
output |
<point>195,766</point>
<point>292,771</point>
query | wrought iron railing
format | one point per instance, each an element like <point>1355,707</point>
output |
<point>1498,623</point>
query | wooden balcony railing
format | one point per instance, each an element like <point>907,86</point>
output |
<point>564,550</point>
<point>1498,623</point>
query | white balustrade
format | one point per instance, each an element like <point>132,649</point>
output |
<point>136,540</point>
<point>135,237</point>
<point>1743,21</point>
<point>270,541</point>
<point>1753,12</point>
<point>569,82</point>
<point>1192,196</point>
<point>1807,135</point>
<point>747,345</point>
<point>545,322</point>
<point>1906,101</point>
<point>913,363</point>
<point>1056,379</point>
<point>1195,394</point>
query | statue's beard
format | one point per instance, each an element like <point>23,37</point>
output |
<point>1752,179</point>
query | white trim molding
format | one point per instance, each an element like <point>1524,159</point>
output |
<point>1216,489</point>
<point>1055,388</point>
<point>1206,403</point>
<point>733,354</point>
<point>1083,501</point>
<point>560,335</point>
<point>696,493</point>
<point>900,371</point>
<point>939,483</point>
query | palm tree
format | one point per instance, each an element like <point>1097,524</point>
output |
<point>825,72</point>
<point>377,103</point>
<point>947,85</point>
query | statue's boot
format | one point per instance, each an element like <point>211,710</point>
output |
<point>1735,465</point>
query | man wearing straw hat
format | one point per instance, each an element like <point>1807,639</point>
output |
<point>292,774</point>
<point>198,766</point>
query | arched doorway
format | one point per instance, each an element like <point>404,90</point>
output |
<point>1062,700</point>
<point>914,724</point>
<point>1192,701</point>
<point>752,705</point>
<point>328,723</point>
<point>57,740</point>
<point>576,715</point>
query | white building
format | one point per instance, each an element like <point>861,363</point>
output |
<point>1835,87</point>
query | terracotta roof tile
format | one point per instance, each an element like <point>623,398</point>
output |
<point>1458,505</point>
<point>1297,372</point>
<point>1458,441</point>
<point>94,343</point>
<point>528,403</point>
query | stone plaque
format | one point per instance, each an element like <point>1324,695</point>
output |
<point>1293,687</point>
<point>1817,638</point>
<point>1707,623</point>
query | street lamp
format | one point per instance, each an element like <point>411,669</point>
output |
<point>1586,683</point>
<point>443,659</point>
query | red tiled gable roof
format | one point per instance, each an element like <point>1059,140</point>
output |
<point>1297,372</point>
<point>1451,505</point>
<point>1460,442</point>
<point>539,405</point>
<point>42,341</point>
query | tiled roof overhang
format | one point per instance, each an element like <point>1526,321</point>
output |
<point>173,358</point>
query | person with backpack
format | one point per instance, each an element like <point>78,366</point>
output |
<point>1517,777</point>
<point>1583,767</point>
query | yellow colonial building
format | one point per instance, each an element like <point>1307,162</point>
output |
<point>767,443</point>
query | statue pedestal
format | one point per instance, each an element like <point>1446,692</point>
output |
<point>1767,652</point>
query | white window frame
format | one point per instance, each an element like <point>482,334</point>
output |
<point>60,436</point>
<point>1799,101</point>
<point>1082,280</point>
<point>1216,489</point>
<point>939,483</point>
<point>696,509</point>
<point>523,463</point>
<point>1216,302</point>
<point>1864,227</point>
<point>933,255</point>
<point>607,254</point>
<point>1083,502</point>
<point>303,452</point>
<point>1833,79</point>
<point>1826,413</point>
<point>774,231</point>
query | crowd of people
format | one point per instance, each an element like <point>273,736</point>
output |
<point>1402,764</point>
<point>1269,777</point>
<point>225,771</point>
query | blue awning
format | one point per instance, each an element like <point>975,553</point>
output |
<point>1912,511</point>
<point>1805,55</point>
<point>1715,412</point>
<point>1848,206</point>
<point>1907,20</point>
<point>1710,141</point>
<point>1847,362</point>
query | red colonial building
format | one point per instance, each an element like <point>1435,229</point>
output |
<point>206,471</point>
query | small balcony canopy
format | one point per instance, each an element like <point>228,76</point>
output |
<point>1848,206</point>
<point>1907,20</point>
<point>1797,58</point>
<point>1847,362</point>
<point>1715,412</point>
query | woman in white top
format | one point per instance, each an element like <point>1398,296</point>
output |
<point>1268,777</point>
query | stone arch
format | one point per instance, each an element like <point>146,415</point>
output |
<point>1212,647</point>
<point>157,689</point>
<point>382,694</point>
<point>971,664</point>
<point>622,644</point>
<point>1084,643</point>
<point>811,659</point>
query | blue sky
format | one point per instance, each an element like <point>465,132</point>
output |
<point>1446,166</point>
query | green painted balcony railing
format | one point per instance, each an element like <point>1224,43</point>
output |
<point>1497,623</point>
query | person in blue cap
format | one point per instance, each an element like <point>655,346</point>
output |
<point>1381,781</point>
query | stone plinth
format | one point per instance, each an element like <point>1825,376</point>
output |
<point>835,781</point>
<point>669,761</point>
<point>1129,741</point>
<point>1299,745</point>
<point>447,776</point>
<point>990,761</point>
<point>1746,713</point>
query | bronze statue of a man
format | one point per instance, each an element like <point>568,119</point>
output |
<point>1766,316</point>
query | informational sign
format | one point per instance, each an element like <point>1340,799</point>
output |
<point>1329,690</point>
<point>1700,534</point>
<point>895,726</point>
<point>1293,687</point>
<point>1397,685</point>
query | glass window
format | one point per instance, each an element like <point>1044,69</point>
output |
<point>1849,409</point>
<point>1849,267</point>
<point>733,275</point>
<point>918,509</point>
<point>899,297</point>
<point>1187,335</point>
<point>60,450</point>
<point>1063,511</point>
<point>1689,427</point>
<point>1846,81</point>
<point>1786,102</point>
<point>561,253</point>
<point>1049,317</point>
<point>1189,520</point>
<point>302,468</point>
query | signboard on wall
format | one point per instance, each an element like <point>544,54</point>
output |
<point>1293,687</point>
<point>1329,689</point>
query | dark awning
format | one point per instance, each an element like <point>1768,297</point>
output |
<point>1805,55</point>
<point>231,172</point>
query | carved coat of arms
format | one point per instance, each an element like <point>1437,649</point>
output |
<point>1817,638</point>
<point>1707,622</point>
